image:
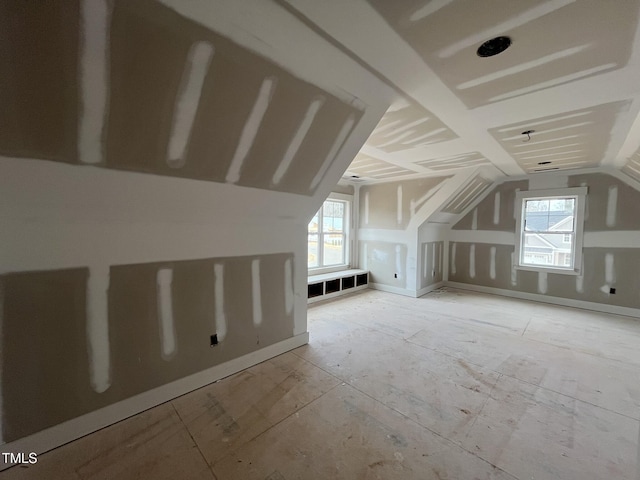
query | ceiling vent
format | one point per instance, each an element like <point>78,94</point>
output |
<point>494,46</point>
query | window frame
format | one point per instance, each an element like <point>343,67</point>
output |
<point>580,194</point>
<point>348,201</point>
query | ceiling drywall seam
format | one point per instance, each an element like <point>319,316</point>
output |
<point>442,102</point>
<point>249,24</point>
<point>449,190</point>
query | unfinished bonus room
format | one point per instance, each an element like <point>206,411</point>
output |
<point>284,239</point>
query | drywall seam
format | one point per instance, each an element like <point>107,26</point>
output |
<point>612,206</point>
<point>221,318</point>
<point>609,268</point>
<point>399,205</point>
<point>427,9</point>
<point>425,254</point>
<point>612,239</point>
<point>542,282</point>
<point>80,426</point>
<point>609,273</point>
<point>365,258</point>
<point>256,293</point>
<point>399,269</point>
<point>366,208</point>
<point>492,263</point>
<point>580,284</point>
<point>472,260</point>
<point>453,258</point>
<point>164,286</point>
<point>195,71</point>
<point>482,236</point>
<point>250,129</point>
<point>98,329</point>
<point>496,208</point>
<point>297,139</point>
<point>433,260</point>
<point>335,148</point>
<point>94,78</point>
<point>415,205</point>
<point>288,286</point>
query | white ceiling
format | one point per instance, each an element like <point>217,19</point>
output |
<point>572,74</point>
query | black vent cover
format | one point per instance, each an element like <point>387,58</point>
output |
<point>494,46</point>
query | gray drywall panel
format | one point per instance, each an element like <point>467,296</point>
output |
<point>39,71</point>
<point>486,212</point>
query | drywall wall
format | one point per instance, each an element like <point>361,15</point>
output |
<point>388,235</point>
<point>386,263</point>
<point>114,279</point>
<point>161,317</point>
<point>481,244</point>
<point>196,93</point>
<point>432,265</point>
<point>391,205</point>
<point>395,217</point>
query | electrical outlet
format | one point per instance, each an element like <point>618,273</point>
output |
<point>395,275</point>
<point>214,339</point>
<point>612,291</point>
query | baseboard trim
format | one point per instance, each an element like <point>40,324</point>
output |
<point>565,302</point>
<point>390,289</point>
<point>68,431</point>
<point>429,288</point>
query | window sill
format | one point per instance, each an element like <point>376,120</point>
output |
<point>319,271</point>
<point>561,271</point>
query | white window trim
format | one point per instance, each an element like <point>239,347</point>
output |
<point>580,194</point>
<point>348,236</point>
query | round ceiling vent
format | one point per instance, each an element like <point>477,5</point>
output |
<point>494,46</point>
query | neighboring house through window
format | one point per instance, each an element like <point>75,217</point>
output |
<point>549,230</point>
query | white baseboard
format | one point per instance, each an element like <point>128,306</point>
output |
<point>390,289</point>
<point>404,291</point>
<point>535,297</point>
<point>78,427</point>
<point>429,288</point>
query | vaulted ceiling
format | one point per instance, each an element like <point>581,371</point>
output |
<point>571,74</point>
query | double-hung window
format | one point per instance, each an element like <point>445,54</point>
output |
<point>549,230</point>
<point>328,235</point>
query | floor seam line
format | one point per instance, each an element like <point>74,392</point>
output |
<point>439,435</point>
<point>215,477</point>
<point>278,423</point>
<point>527,382</point>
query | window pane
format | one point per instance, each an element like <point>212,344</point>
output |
<point>556,214</point>
<point>547,249</point>
<point>333,249</point>
<point>312,257</point>
<point>333,215</point>
<point>313,224</point>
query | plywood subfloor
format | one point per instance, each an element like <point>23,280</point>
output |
<point>454,385</point>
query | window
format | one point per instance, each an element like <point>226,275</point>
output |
<point>549,230</point>
<point>328,240</point>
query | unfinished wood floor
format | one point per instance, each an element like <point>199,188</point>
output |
<point>453,385</point>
